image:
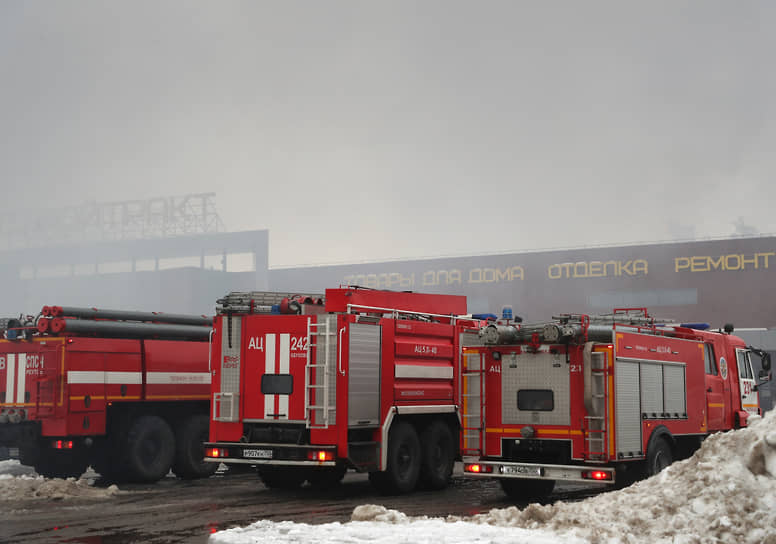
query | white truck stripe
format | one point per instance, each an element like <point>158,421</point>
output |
<point>285,365</point>
<point>269,368</point>
<point>21,377</point>
<point>85,376</point>
<point>424,371</point>
<point>165,378</point>
<point>119,377</point>
<point>10,377</point>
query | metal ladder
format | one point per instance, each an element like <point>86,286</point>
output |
<point>596,431</point>
<point>473,412</point>
<point>316,401</point>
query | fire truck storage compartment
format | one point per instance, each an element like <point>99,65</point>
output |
<point>538,386</point>
<point>646,390</point>
<point>226,402</point>
<point>364,375</point>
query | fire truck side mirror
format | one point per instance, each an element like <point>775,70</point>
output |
<point>764,376</point>
<point>766,361</point>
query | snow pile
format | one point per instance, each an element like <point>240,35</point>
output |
<point>725,493</point>
<point>436,531</point>
<point>19,482</point>
<point>38,487</point>
<point>13,467</point>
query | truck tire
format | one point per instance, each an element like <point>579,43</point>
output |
<point>282,477</point>
<point>523,489</point>
<point>189,451</point>
<point>150,449</point>
<point>437,455</point>
<point>404,459</point>
<point>61,464</point>
<point>659,455</point>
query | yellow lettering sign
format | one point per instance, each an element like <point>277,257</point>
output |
<point>598,269</point>
<point>729,263</point>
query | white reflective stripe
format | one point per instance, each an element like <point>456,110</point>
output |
<point>269,368</point>
<point>116,377</point>
<point>285,354</point>
<point>160,378</point>
<point>21,377</point>
<point>10,377</point>
<point>424,371</point>
<point>285,358</point>
<point>85,376</point>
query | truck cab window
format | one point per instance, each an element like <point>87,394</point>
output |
<point>744,365</point>
<point>711,362</point>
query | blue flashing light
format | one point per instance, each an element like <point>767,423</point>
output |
<point>486,317</point>
<point>697,326</point>
<point>506,312</point>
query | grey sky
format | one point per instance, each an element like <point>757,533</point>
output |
<point>372,130</point>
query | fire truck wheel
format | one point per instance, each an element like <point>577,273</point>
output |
<point>56,464</point>
<point>282,477</point>
<point>523,489</point>
<point>189,452</point>
<point>401,475</point>
<point>150,449</point>
<point>438,455</point>
<point>659,455</point>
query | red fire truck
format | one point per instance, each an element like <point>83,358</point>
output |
<point>605,399</point>
<point>367,381</point>
<point>125,392</point>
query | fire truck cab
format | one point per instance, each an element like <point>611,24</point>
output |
<point>607,399</point>
<point>368,380</point>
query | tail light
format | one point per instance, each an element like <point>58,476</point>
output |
<point>62,444</point>
<point>216,452</point>
<point>321,455</point>
<point>476,468</point>
<point>599,475</point>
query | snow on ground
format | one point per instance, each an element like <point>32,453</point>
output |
<point>20,482</point>
<point>12,467</point>
<point>725,493</point>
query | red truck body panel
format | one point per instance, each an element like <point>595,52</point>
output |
<point>69,382</point>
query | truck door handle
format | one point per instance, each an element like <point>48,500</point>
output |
<point>709,390</point>
<point>339,352</point>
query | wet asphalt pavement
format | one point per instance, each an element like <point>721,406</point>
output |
<point>177,511</point>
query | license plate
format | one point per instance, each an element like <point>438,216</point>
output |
<point>520,469</point>
<point>258,454</point>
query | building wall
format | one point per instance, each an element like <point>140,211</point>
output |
<point>718,281</point>
<point>27,283</point>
